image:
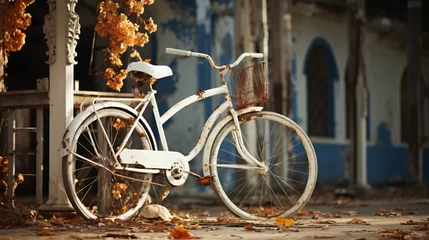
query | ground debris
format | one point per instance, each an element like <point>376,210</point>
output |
<point>46,232</point>
<point>324,236</point>
<point>180,232</point>
<point>155,211</point>
<point>390,233</point>
<point>116,235</point>
<point>357,221</point>
<point>284,221</point>
<point>252,228</point>
<point>394,212</point>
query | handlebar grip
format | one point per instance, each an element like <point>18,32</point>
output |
<point>175,51</point>
<point>256,55</point>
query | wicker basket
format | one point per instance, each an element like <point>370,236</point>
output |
<point>250,85</point>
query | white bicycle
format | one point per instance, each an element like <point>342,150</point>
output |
<point>261,164</point>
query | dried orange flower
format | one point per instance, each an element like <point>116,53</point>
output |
<point>16,20</point>
<point>137,7</point>
<point>150,26</point>
<point>116,82</point>
<point>114,23</point>
<point>136,54</point>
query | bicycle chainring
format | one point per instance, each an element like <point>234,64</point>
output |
<point>175,175</point>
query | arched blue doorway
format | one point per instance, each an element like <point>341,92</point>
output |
<point>321,70</point>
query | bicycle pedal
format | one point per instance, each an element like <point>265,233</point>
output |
<point>205,181</point>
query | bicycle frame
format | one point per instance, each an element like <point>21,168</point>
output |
<point>160,120</point>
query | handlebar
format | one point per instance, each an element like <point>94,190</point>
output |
<point>185,53</point>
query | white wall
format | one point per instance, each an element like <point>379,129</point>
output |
<point>333,29</point>
<point>385,58</point>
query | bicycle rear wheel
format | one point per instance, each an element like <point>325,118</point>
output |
<point>284,148</point>
<point>94,191</point>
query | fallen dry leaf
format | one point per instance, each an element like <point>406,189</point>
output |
<point>76,219</point>
<point>252,228</point>
<point>76,237</point>
<point>324,228</point>
<point>326,221</point>
<point>195,226</point>
<point>220,219</point>
<point>302,212</point>
<point>114,235</point>
<point>357,221</point>
<point>46,232</point>
<point>324,236</point>
<point>284,221</point>
<point>45,224</point>
<point>409,222</point>
<point>180,232</point>
<point>421,227</point>
<point>156,211</point>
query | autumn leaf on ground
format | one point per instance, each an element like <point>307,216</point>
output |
<point>421,227</point>
<point>284,221</point>
<point>76,219</point>
<point>46,232</point>
<point>156,211</point>
<point>252,228</point>
<point>124,236</point>
<point>357,221</point>
<point>302,212</point>
<point>195,226</point>
<point>409,222</point>
<point>220,219</point>
<point>180,232</point>
<point>76,237</point>
<point>324,236</point>
<point>325,221</point>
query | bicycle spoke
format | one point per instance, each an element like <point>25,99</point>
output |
<point>276,176</point>
<point>272,190</point>
<point>284,191</point>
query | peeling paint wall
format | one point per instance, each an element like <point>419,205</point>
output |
<point>385,59</point>
<point>190,25</point>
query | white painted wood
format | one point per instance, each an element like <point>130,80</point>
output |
<point>361,147</point>
<point>41,83</point>
<point>60,111</point>
<point>11,156</point>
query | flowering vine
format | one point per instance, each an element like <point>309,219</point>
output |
<point>16,20</point>
<point>113,22</point>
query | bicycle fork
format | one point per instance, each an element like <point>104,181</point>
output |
<point>237,135</point>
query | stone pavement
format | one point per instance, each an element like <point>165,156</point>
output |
<point>336,219</point>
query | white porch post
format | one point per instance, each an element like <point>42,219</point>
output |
<point>61,31</point>
<point>361,142</point>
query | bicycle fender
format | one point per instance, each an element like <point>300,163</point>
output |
<point>215,132</point>
<point>77,121</point>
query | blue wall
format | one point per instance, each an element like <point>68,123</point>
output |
<point>385,163</point>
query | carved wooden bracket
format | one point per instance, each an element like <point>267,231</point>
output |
<point>49,29</point>
<point>73,31</point>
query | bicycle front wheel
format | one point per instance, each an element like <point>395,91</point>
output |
<point>284,148</point>
<point>93,190</point>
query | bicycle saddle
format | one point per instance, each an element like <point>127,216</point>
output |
<point>156,71</point>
